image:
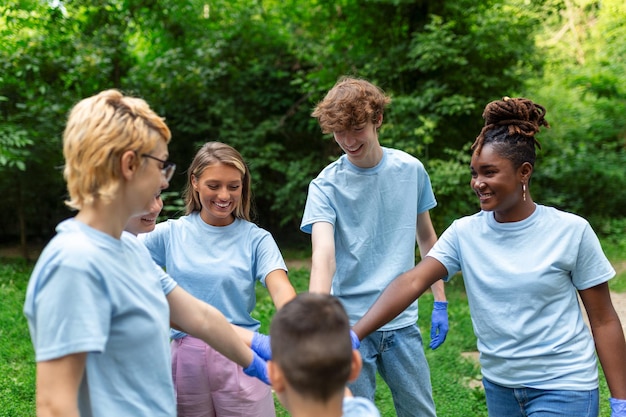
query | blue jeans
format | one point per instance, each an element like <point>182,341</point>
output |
<point>523,402</point>
<point>398,356</point>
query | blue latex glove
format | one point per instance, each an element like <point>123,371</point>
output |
<point>355,340</point>
<point>261,345</point>
<point>257,368</point>
<point>618,407</point>
<point>439,324</point>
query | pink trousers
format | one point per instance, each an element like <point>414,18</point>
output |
<point>210,385</point>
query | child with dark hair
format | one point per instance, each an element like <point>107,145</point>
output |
<point>313,359</point>
<point>524,266</point>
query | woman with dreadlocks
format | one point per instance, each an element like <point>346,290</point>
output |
<point>523,266</point>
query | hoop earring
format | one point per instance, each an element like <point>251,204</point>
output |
<point>524,191</point>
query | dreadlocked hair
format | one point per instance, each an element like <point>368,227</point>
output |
<point>510,127</point>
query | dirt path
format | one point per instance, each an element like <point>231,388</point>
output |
<point>619,299</point>
<point>619,302</point>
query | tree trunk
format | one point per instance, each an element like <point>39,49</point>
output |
<point>22,220</point>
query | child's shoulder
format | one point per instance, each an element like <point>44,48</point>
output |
<point>359,406</point>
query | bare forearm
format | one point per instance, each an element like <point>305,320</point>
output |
<point>395,299</point>
<point>205,322</point>
<point>280,288</point>
<point>56,406</point>
<point>399,294</point>
<point>611,350</point>
<point>216,331</point>
<point>323,262</point>
<point>47,409</point>
<point>438,290</point>
<point>58,381</point>
<point>322,271</point>
<point>244,334</point>
<point>608,336</point>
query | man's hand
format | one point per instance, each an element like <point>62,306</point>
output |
<point>439,324</point>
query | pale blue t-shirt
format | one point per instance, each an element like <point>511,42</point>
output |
<point>374,214</point>
<point>521,280</point>
<point>359,407</point>
<point>90,292</point>
<point>219,265</point>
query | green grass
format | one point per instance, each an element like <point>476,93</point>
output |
<point>614,246</point>
<point>451,372</point>
<point>17,364</point>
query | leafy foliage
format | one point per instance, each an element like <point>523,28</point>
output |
<point>584,153</point>
<point>450,370</point>
<point>14,142</point>
<point>249,73</point>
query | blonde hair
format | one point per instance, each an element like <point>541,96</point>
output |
<point>212,153</point>
<point>98,131</point>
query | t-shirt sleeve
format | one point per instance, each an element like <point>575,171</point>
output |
<point>426,196</point>
<point>167,282</point>
<point>155,242</point>
<point>268,257</point>
<point>317,208</point>
<point>72,309</point>
<point>446,250</point>
<point>592,266</point>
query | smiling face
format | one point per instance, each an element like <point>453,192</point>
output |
<point>149,180</point>
<point>361,144</point>
<point>145,223</point>
<point>499,186</point>
<point>219,189</point>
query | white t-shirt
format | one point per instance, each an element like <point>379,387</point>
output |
<point>359,407</point>
<point>521,280</point>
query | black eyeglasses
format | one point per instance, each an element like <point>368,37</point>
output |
<point>167,169</point>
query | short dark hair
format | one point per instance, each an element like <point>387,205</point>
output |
<point>310,338</point>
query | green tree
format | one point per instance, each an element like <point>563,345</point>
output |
<point>440,61</point>
<point>30,55</point>
<point>249,73</point>
<point>50,57</point>
<point>582,163</point>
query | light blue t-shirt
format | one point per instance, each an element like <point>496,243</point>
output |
<point>521,280</point>
<point>374,214</point>
<point>219,265</point>
<point>359,407</point>
<point>90,292</point>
